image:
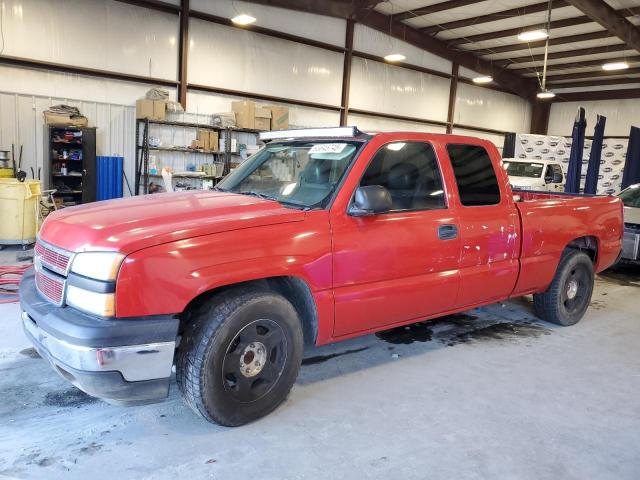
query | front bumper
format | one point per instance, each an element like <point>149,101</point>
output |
<point>124,362</point>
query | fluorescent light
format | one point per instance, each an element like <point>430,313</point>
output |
<point>532,35</point>
<point>546,94</point>
<point>483,79</point>
<point>395,57</point>
<point>243,19</point>
<point>615,66</point>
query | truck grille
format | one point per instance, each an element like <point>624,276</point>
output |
<point>54,259</point>
<point>51,265</point>
<point>51,287</point>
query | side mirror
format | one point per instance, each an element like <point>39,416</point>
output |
<point>548,179</point>
<point>557,178</point>
<point>370,200</point>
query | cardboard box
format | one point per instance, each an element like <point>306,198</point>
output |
<point>279,117</point>
<point>213,141</point>
<point>159,110</point>
<point>245,114</point>
<point>51,118</point>
<point>151,109</point>
<point>203,139</point>
<point>263,118</point>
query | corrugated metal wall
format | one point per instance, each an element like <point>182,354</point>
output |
<point>21,123</point>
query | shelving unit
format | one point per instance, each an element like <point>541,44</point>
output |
<point>143,148</point>
<point>75,148</point>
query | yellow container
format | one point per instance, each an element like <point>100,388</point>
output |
<point>6,172</point>
<point>19,202</point>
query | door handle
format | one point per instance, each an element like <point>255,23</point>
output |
<point>447,232</point>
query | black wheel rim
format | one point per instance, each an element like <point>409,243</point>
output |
<point>254,361</point>
<point>576,289</point>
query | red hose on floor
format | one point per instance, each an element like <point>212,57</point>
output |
<point>10,277</point>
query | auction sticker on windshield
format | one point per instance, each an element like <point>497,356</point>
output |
<point>328,148</point>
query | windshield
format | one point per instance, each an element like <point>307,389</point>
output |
<point>524,169</point>
<point>631,196</point>
<point>298,174</point>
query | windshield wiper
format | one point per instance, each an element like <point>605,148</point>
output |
<point>266,196</point>
<point>259,195</point>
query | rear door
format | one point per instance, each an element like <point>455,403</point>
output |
<point>489,226</point>
<point>400,265</point>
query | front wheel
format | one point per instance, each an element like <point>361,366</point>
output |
<point>567,298</point>
<point>240,356</point>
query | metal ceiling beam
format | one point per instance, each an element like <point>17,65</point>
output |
<point>605,15</point>
<point>593,83</point>
<point>383,23</point>
<point>619,94</point>
<point>590,75</point>
<point>154,5</point>
<point>556,24</point>
<point>495,16</point>
<point>565,54</point>
<point>585,64</point>
<point>516,47</point>
<point>429,9</point>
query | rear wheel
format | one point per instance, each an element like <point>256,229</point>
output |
<point>567,298</point>
<point>240,356</point>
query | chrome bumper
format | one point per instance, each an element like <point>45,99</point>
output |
<point>134,362</point>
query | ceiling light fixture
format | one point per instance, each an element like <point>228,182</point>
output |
<point>243,19</point>
<point>545,94</point>
<point>615,66</point>
<point>395,57</point>
<point>532,35</point>
<point>483,79</point>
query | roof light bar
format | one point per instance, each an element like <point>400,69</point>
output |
<point>311,132</point>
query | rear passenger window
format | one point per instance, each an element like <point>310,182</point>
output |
<point>476,179</point>
<point>410,171</point>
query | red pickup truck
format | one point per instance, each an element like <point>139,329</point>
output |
<point>323,235</point>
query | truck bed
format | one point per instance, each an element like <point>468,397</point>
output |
<point>549,222</point>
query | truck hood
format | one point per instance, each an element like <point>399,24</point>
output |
<point>134,223</point>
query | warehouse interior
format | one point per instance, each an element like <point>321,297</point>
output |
<point>126,125</point>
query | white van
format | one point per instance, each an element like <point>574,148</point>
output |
<point>541,175</point>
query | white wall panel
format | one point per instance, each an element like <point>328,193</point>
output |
<point>621,115</point>
<point>386,88</point>
<point>317,27</point>
<point>67,85</point>
<point>101,34</point>
<point>372,41</point>
<point>368,123</point>
<point>206,103</point>
<point>497,140</point>
<point>482,107</point>
<point>235,59</point>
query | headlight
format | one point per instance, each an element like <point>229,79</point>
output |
<point>98,265</point>
<point>102,304</point>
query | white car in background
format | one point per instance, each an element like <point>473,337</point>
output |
<point>630,196</point>
<point>540,175</point>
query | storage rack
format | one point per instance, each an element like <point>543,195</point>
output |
<point>79,182</point>
<point>143,148</point>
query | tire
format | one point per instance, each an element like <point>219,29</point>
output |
<point>569,295</point>
<point>239,356</point>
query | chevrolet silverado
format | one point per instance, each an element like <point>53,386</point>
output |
<point>323,235</point>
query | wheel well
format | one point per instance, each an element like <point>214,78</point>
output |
<point>588,245</point>
<point>292,288</point>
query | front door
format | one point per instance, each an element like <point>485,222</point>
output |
<point>489,228</point>
<point>401,265</point>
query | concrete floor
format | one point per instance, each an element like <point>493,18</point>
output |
<point>492,394</point>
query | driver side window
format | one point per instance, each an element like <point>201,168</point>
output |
<point>411,173</point>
